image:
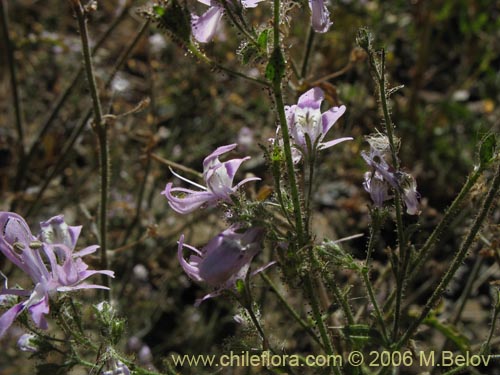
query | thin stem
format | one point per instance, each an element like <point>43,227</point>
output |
<point>403,250</point>
<point>373,300</point>
<point>461,305</point>
<point>309,191</point>
<point>100,127</point>
<point>47,123</point>
<point>204,58</point>
<point>336,74</point>
<point>320,324</point>
<point>68,147</point>
<point>229,12</point>
<point>496,312</point>
<point>291,310</point>
<point>448,216</point>
<point>457,260</point>
<point>307,53</point>
<point>176,165</point>
<point>16,101</point>
<point>341,300</point>
<point>280,107</point>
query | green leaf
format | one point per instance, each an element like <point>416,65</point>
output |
<point>363,334</point>
<point>449,332</point>
<point>487,150</point>
<point>275,68</point>
<point>158,10</point>
<point>263,39</point>
<point>240,286</point>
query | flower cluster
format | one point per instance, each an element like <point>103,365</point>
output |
<point>308,125</point>
<point>205,26</point>
<point>226,257</point>
<point>218,177</point>
<point>49,260</point>
<point>383,175</point>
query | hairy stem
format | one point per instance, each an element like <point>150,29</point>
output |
<point>307,53</point>
<point>457,260</point>
<point>16,101</point>
<point>100,127</point>
<point>65,94</point>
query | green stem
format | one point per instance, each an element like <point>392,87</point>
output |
<point>280,107</point>
<point>494,318</point>
<point>403,250</point>
<point>213,64</point>
<point>101,130</point>
<point>235,22</point>
<point>373,300</point>
<point>59,104</point>
<point>457,260</point>
<point>16,101</point>
<point>308,213</point>
<point>291,310</point>
<point>320,324</point>
<point>448,216</point>
<point>341,300</point>
<point>307,53</point>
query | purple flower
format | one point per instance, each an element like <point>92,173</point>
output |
<point>306,121</point>
<point>218,177</point>
<point>375,185</point>
<point>320,16</point>
<point>27,343</point>
<point>225,259</point>
<point>49,260</point>
<point>383,175</point>
<point>205,26</point>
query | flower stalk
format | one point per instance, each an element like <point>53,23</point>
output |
<point>457,260</point>
<point>100,127</point>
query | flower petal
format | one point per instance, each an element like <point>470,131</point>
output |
<point>38,312</point>
<point>189,203</point>
<point>191,271</point>
<point>250,3</point>
<point>330,117</point>
<point>311,98</point>
<point>8,318</point>
<point>334,142</point>
<point>320,16</point>
<point>205,26</point>
<point>208,162</point>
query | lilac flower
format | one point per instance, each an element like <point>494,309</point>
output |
<point>49,260</point>
<point>218,177</point>
<point>205,26</point>
<point>306,121</point>
<point>225,259</point>
<point>384,175</point>
<point>375,185</point>
<point>27,343</point>
<point>118,368</point>
<point>320,16</point>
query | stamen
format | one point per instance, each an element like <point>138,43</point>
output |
<point>187,180</point>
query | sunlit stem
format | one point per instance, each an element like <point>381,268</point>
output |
<point>101,130</point>
<point>457,260</point>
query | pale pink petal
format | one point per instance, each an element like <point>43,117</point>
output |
<point>320,16</point>
<point>311,98</point>
<point>330,117</point>
<point>205,26</point>
<point>334,142</point>
<point>8,318</point>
